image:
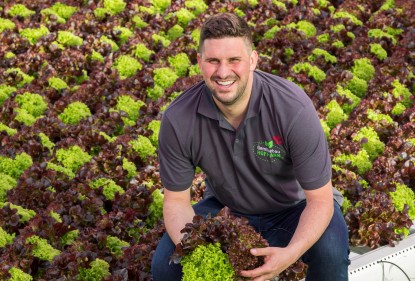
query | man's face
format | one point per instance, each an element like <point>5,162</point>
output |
<point>227,65</point>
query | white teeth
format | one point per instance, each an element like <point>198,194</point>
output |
<point>225,83</point>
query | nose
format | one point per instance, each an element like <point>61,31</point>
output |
<point>223,70</point>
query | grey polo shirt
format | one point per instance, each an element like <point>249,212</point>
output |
<point>262,167</point>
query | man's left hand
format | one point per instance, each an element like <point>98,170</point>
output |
<point>275,261</point>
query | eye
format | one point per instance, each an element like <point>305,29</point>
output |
<point>234,60</point>
<point>212,61</point>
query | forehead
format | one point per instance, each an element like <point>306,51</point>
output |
<point>227,46</point>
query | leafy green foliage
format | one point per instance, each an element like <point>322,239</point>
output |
<point>143,146</point>
<point>15,167</point>
<point>378,51</point>
<point>107,40</point>
<point>34,34</point>
<point>131,107</point>
<point>180,64</point>
<point>310,70</point>
<point>142,52</point>
<point>5,238</point>
<point>73,157</point>
<point>184,16</point>
<point>19,275</point>
<point>43,250</point>
<point>353,100</point>
<point>5,92</point>
<point>6,183</point>
<point>352,18</point>
<point>7,129</point>
<point>6,24</point>
<point>116,245</point>
<point>404,197</point>
<point>207,262</point>
<point>21,11</point>
<point>161,5</point>
<point>360,161</point>
<point>156,208</point>
<point>357,86</point>
<point>363,69</point>
<point>74,113</point>
<point>67,38</point>
<point>110,188</point>
<point>127,66</point>
<point>326,55</point>
<point>23,77</point>
<point>335,114</point>
<point>25,214</point>
<point>61,11</point>
<point>57,83</point>
<point>99,270</point>
<point>163,78</point>
<point>370,142</point>
<point>401,92</point>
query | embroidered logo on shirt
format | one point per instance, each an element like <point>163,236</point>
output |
<point>269,150</point>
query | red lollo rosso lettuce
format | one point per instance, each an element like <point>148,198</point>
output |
<point>234,234</point>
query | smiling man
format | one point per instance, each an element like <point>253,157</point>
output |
<point>259,141</point>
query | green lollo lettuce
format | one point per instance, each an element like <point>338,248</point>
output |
<point>67,38</point>
<point>98,271</point>
<point>74,113</point>
<point>207,262</point>
<point>143,146</point>
<point>109,187</point>
<point>180,64</point>
<point>20,10</point>
<point>116,245</point>
<point>5,238</point>
<point>19,275</point>
<point>15,167</point>
<point>311,70</point>
<point>127,66</point>
<point>42,250</point>
<point>156,208</point>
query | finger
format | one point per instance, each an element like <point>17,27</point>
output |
<point>259,271</point>
<point>267,277</point>
<point>261,251</point>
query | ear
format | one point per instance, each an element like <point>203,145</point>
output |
<point>253,60</point>
<point>199,59</point>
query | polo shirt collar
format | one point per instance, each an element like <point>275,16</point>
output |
<point>208,108</point>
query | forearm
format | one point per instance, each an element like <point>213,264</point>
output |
<point>314,220</point>
<point>176,214</point>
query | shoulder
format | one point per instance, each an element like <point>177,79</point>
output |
<point>284,91</point>
<point>281,96</point>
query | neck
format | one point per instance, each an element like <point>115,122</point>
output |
<point>235,113</point>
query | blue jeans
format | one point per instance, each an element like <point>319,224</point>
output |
<point>327,259</point>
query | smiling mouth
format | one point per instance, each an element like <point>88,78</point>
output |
<point>225,83</point>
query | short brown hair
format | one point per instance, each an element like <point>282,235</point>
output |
<point>225,25</point>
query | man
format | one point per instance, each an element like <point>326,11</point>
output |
<point>259,141</point>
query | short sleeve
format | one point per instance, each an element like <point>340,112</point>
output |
<point>309,149</point>
<point>176,168</point>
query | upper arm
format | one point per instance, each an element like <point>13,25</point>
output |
<point>176,167</point>
<point>323,194</point>
<point>177,196</point>
<point>309,150</point>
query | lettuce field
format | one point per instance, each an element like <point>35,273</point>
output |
<point>83,85</point>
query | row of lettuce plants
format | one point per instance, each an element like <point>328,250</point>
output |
<point>83,85</point>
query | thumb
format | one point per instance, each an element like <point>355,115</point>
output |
<point>260,251</point>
